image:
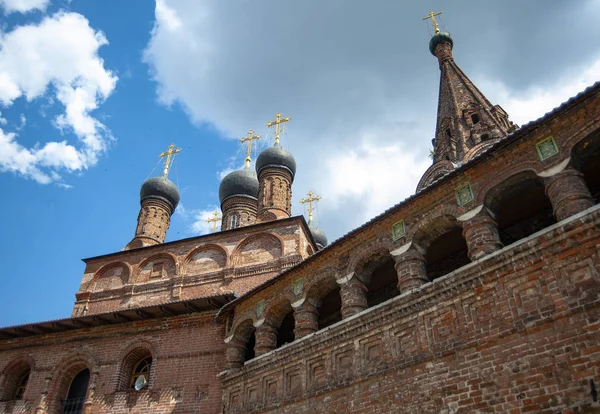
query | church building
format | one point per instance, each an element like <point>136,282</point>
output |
<point>478,293</point>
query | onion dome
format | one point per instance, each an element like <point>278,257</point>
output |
<point>161,188</point>
<point>239,183</point>
<point>438,38</point>
<point>277,157</point>
<point>318,235</point>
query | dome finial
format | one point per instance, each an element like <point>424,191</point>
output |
<point>249,139</point>
<point>431,16</point>
<point>278,120</point>
<point>169,161</point>
<point>310,199</point>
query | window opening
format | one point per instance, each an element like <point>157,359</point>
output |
<point>75,400</point>
<point>141,369</point>
<point>21,385</point>
<point>285,333</point>
<point>234,221</point>
<point>330,310</point>
<point>475,119</point>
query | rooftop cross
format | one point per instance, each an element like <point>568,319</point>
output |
<point>310,199</point>
<point>278,120</point>
<point>431,16</point>
<point>214,219</point>
<point>249,139</point>
<point>168,154</point>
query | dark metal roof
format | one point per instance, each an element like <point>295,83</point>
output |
<point>488,153</point>
<point>239,183</point>
<point>161,188</point>
<point>276,156</point>
<point>127,315</point>
<point>439,38</point>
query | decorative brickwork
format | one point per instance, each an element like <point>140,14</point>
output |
<point>153,222</point>
<point>238,211</point>
<point>274,194</point>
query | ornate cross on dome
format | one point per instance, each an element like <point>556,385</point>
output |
<point>249,139</point>
<point>168,154</point>
<point>431,16</point>
<point>214,219</point>
<point>310,200</point>
<point>278,120</point>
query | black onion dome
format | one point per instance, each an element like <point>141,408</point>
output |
<point>161,188</point>
<point>239,183</point>
<point>276,157</point>
<point>439,38</point>
<point>318,235</point>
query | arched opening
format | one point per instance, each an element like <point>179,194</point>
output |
<point>446,253</point>
<point>22,381</point>
<point>75,400</point>
<point>586,156</point>
<point>521,207</point>
<point>383,282</point>
<point>330,309</point>
<point>140,375</point>
<point>485,137</point>
<point>250,343</point>
<point>444,245</point>
<point>285,333</point>
<point>475,119</point>
<point>15,384</point>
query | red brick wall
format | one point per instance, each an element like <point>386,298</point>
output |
<point>188,353</point>
<point>516,331</point>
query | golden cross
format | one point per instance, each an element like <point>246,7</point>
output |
<point>278,120</point>
<point>214,220</point>
<point>310,199</point>
<point>431,16</point>
<point>249,139</point>
<point>168,154</point>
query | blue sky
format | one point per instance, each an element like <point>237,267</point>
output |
<point>358,81</point>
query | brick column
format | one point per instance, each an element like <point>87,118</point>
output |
<point>306,316</point>
<point>568,193</point>
<point>235,354</point>
<point>354,295</point>
<point>410,267</point>
<point>481,233</point>
<point>266,338</point>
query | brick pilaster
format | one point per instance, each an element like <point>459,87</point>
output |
<point>306,316</point>
<point>235,354</point>
<point>353,292</point>
<point>480,231</point>
<point>410,267</point>
<point>568,193</point>
<point>266,338</point>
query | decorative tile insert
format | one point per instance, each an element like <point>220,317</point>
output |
<point>464,194</point>
<point>298,286</point>
<point>398,230</point>
<point>260,307</point>
<point>546,148</point>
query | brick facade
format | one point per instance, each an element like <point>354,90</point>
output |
<point>480,293</point>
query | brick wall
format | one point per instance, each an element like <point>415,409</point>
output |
<point>187,351</point>
<point>517,331</point>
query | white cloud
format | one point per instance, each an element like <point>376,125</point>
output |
<point>360,87</point>
<point>23,6</point>
<point>56,59</point>
<point>3,120</point>
<point>532,103</point>
<point>197,218</point>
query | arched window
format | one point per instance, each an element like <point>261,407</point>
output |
<point>475,119</point>
<point>141,369</point>
<point>234,221</point>
<point>75,400</point>
<point>21,386</point>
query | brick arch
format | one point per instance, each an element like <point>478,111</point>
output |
<point>257,248</point>
<point>573,139</point>
<point>501,176</point>
<point>277,308</point>
<point>64,372</point>
<point>12,373</point>
<point>478,149</point>
<point>361,255</point>
<point>109,277</point>
<point>433,173</point>
<point>321,285</point>
<point>130,356</point>
<point>244,326</point>
<point>431,217</point>
<point>214,262</point>
<point>143,271</point>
